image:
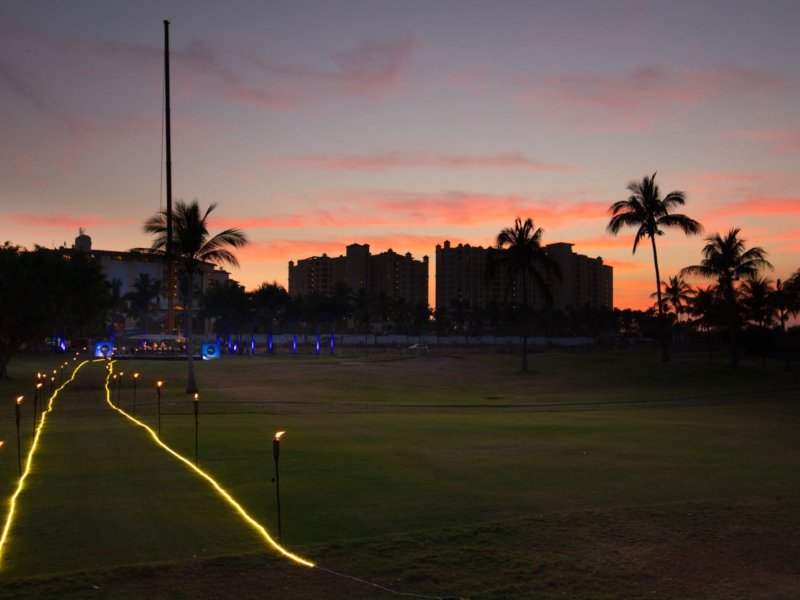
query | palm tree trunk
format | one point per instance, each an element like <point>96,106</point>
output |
<point>734,324</point>
<point>191,386</point>
<point>763,328</point>
<point>524,322</point>
<point>786,366</point>
<point>664,351</point>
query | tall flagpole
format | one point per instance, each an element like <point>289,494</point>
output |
<point>169,257</point>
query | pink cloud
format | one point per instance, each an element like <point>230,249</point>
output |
<point>400,160</point>
<point>779,141</point>
<point>637,98</point>
<point>62,221</point>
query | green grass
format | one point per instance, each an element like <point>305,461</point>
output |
<point>446,475</point>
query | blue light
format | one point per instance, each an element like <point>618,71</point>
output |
<point>294,344</point>
<point>252,344</point>
<point>317,350</point>
<point>103,349</point>
<point>63,345</point>
<point>270,342</point>
<point>331,350</point>
<point>210,351</point>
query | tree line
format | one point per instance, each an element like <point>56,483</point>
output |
<point>47,290</point>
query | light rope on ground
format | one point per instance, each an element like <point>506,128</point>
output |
<point>250,520</point>
<point>228,498</point>
<point>29,461</point>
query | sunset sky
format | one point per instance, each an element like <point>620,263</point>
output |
<point>403,123</point>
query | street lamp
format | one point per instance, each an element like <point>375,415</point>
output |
<point>135,377</point>
<point>276,453</point>
<point>196,413</point>
<point>19,447</point>
<point>158,403</point>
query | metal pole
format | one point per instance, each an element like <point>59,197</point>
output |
<point>196,412</point>
<point>276,453</point>
<point>158,402</point>
<point>170,276</point>
<point>19,447</point>
<point>135,377</point>
<point>35,404</point>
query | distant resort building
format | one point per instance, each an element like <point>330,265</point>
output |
<point>396,275</point>
<point>462,277</point>
<point>123,268</point>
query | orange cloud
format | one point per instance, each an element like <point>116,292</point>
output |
<point>608,241</point>
<point>402,209</point>
<point>624,265</point>
<point>286,250</point>
<point>404,160</point>
<point>758,207</point>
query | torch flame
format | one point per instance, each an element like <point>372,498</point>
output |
<point>1,443</point>
<point>279,434</point>
<point>19,400</point>
<point>159,383</point>
<point>196,397</point>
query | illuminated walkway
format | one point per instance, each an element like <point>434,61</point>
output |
<point>102,494</point>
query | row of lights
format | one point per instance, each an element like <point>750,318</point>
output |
<point>37,391</point>
<point>276,440</point>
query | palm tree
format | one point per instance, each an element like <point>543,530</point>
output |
<point>192,246</point>
<point>787,302</point>
<point>519,251</point>
<point>704,307</point>
<point>759,302</point>
<point>649,213</point>
<point>145,291</point>
<point>677,294</point>
<point>728,261</point>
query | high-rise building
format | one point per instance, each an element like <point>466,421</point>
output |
<point>463,275</point>
<point>397,275</point>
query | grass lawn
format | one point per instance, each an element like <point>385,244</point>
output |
<point>598,475</point>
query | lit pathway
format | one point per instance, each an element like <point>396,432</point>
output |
<point>101,493</point>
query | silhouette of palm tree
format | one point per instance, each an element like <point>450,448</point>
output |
<point>650,214</point>
<point>519,251</point>
<point>676,295</point>
<point>192,247</point>
<point>759,302</point>
<point>704,307</point>
<point>726,259</point>
<point>787,302</point>
<point>141,298</point>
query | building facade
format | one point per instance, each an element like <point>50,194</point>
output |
<point>123,268</point>
<point>396,275</point>
<point>463,275</point>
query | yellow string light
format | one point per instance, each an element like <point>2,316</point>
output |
<point>20,486</point>
<point>228,498</point>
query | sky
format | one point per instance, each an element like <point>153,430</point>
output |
<point>402,124</point>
